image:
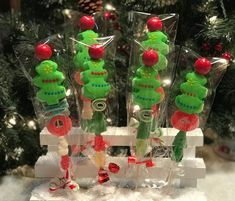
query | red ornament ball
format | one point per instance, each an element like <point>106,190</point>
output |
<point>219,47</point>
<point>184,122</point>
<point>96,51</point>
<point>150,57</point>
<point>154,24</point>
<point>226,55</point>
<point>87,23</point>
<point>59,125</point>
<point>107,15</point>
<point>43,52</point>
<point>202,66</point>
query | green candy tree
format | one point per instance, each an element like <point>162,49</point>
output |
<point>190,103</point>
<point>157,40</point>
<point>86,38</point>
<point>94,91</point>
<point>146,95</point>
<point>49,81</point>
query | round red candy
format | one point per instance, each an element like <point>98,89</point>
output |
<point>43,52</point>
<point>154,24</point>
<point>150,58</point>
<point>184,122</point>
<point>202,66</point>
<point>87,23</point>
<point>59,125</point>
<point>96,51</point>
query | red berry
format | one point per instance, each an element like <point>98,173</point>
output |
<point>86,23</point>
<point>96,51</point>
<point>43,52</point>
<point>107,15</point>
<point>150,57</point>
<point>184,122</point>
<point>219,47</point>
<point>202,66</point>
<point>154,24</point>
<point>226,55</point>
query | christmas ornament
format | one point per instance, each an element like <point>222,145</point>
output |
<point>190,103</point>
<point>227,55</point>
<point>219,47</point>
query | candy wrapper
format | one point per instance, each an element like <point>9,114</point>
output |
<point>94,75</point>
<point>151,72</point>
<point>192,95</point>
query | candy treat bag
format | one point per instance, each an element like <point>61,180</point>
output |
<point>192,96</point>
<point>152,64</point>
<point>51,93</point>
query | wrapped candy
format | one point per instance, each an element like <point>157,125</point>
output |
<point>52,95</point>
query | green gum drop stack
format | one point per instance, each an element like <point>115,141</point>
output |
<point>190,103</point>
<point>87,37</point>
<point>146,94</point>
<point>95,89</point>
<point>157,40</point>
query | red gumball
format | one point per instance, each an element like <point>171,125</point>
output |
<point>86,23</point>
<point>184,122</point>
<point>150,58</point>
<point>154,24</point>
<point>202,66</point>
<point>96,51</point>
<point>43,52</point>
<point>59,125</point>
<point>64,162</point>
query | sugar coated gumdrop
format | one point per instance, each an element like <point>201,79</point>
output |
<point>43,52</point>
<point>154,24</point>
<point>86,23</point>
<point>184,122</point>
<point>59,125</point>
<point>150,57</point>
<point>202,66</point>
<point>96,51</point>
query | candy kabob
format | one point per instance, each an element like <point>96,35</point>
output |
<point>94,92</point>
<point>146,94</point>
<point>52,95</point>
<point>157,40</point>
<point>190,103</point>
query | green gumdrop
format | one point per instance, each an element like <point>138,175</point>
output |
<point>194,77</point>
<point>160,47</point>
<point>178,146</point>
<point>95,125</point>
<point>143,130</point>
<point>141,147</point>
<point>147,73</point>
<point>49,80</point>
<point>189,104</point>
<point>80,58</point>
<point>88,37</point>
<point>193,89</point>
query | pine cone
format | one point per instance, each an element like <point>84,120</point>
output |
<point>90,6</point>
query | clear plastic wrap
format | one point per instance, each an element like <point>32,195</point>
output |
<point>152,64</point>
<point>192,95</point>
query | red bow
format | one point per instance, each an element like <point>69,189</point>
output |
<point>148,163</point>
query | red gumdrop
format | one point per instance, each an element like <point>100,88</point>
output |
<point>154,24</point>
<point>202,66</point>
<point>59,125</point>
<point>43,52</point>
<point>86,23</point>
<point>96,51</point>
<point>64,162</point>
<point>184,122</point>
<point>150,58</point>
